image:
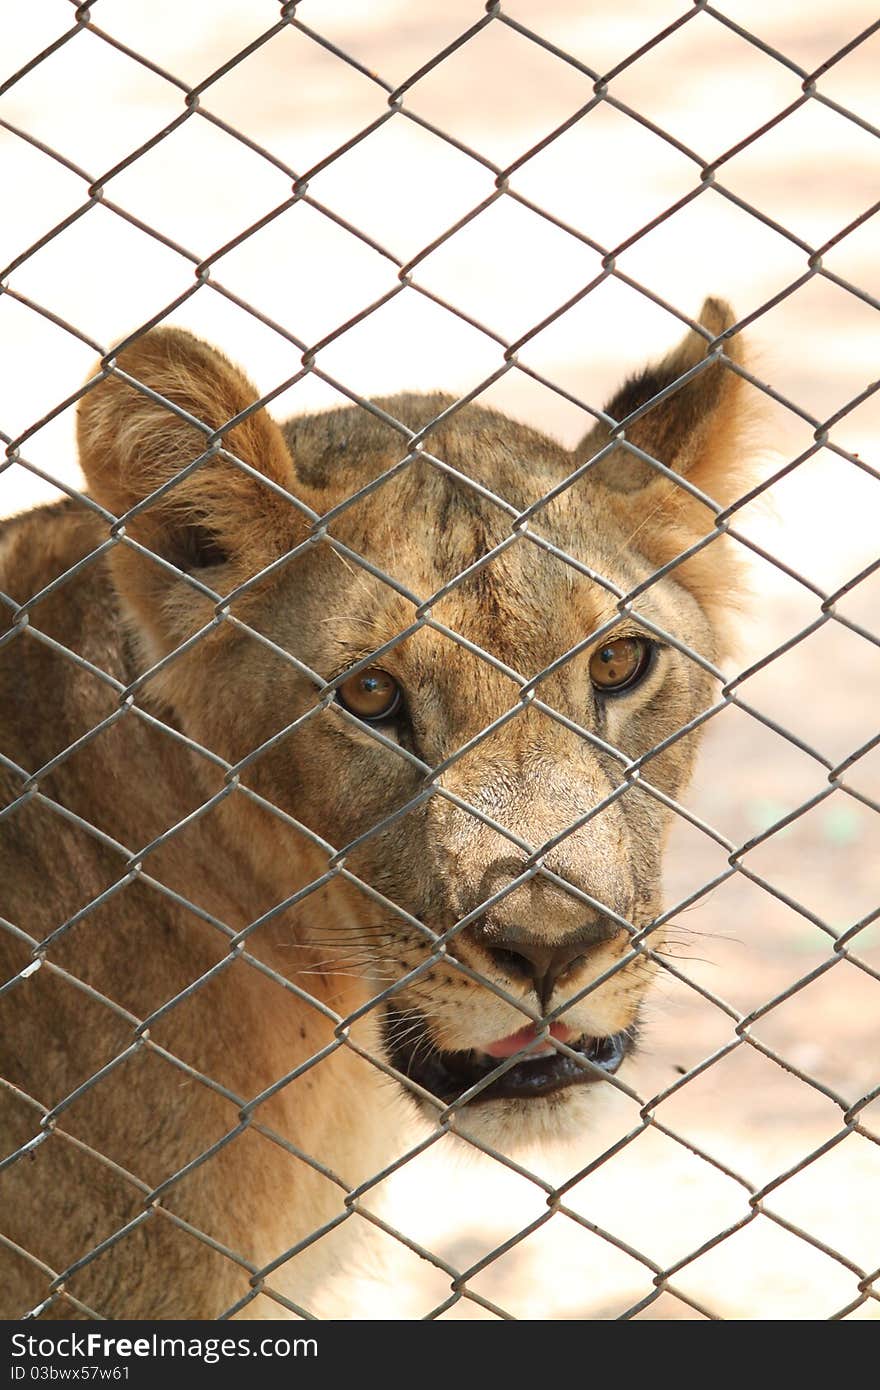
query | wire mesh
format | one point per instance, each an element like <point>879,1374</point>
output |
<point>50,1120</point>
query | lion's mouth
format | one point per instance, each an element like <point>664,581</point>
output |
<point>451,1075</point>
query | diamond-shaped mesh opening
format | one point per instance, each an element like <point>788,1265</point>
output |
<point>733,87</point>
<point>499,124</point>
<point>367,946</point>
<point>312,102</point>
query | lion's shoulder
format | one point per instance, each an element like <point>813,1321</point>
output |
<point>38,546</point>
<point>59,622</point>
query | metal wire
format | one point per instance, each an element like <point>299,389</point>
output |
<point>524,530</point>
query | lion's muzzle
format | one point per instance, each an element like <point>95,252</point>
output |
<point>526,1066</point>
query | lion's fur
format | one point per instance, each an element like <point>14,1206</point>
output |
<point>135,917</point>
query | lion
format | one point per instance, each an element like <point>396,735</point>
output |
<point>338,759</point>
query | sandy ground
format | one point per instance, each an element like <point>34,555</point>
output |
<point>608,175</point>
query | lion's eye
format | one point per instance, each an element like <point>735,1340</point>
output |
<point>372,695</point>
<point>619,664</point>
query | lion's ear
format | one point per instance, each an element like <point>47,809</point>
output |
<point>694,430</point>
<point>697,430</point>
<point>164,432</point>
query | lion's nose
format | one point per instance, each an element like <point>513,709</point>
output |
<point>520,955</point>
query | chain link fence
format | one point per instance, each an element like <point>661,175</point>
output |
<point>605,1202</point>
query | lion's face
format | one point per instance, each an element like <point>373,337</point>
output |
<point>481,775</point>
<point>497,820</point>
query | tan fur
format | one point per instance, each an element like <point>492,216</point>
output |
<point>136,916</point>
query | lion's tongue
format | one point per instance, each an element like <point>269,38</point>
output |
<point>515,1042</point>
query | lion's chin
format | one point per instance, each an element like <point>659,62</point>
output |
<point>516,1126</point>
<point>521,1129</point>
<point>522,1097</point>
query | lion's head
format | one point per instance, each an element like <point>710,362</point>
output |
<point>466,665</point>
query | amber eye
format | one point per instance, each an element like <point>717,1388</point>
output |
<point>619,664</point>
<point>372,694</point>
